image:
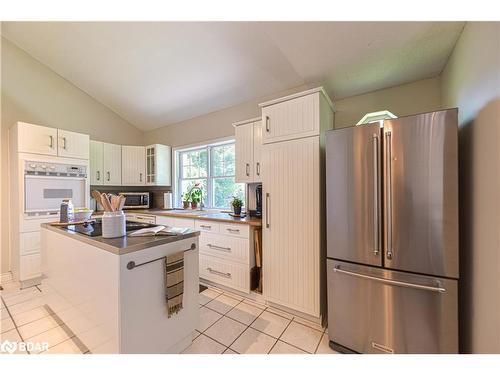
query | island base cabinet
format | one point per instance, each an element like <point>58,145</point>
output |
<point>113,308</point>
<point>145,327</point>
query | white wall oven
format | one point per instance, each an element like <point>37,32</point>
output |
<point>46,184</point>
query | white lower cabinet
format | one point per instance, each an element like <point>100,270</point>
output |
<point>226,254</point>
<point>220,271</point>
<point>30,266</point>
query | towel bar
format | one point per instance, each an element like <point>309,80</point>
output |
<point>131,265</point>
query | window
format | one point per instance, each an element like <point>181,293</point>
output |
<point>213,167</point>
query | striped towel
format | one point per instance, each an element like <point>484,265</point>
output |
<point>174,282</point>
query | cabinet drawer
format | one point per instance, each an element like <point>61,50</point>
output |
<point>232,248</point>
<point>239,230</point>
<point>224,272</point>
<point>165,220</point>
<point>184,223</point>
<point>207,226</point>
<point>30,266</point>
<point>29,243</point>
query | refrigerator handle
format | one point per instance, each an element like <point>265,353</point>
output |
<point>404,284</point>
<point>376,226</point>
<point>388,187</point>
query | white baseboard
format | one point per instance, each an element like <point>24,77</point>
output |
<point>5,278</point>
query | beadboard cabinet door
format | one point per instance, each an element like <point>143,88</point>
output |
<point>96,163</point>
<point>291,119</point>
<point>72,144</point>
<point>257,151</point>
<point>133,165</point>
<point>291,224</point>
<point>112,162</point>
<point>244,152</point>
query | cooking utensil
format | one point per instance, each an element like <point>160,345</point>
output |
<point>106,203</point>
<point>97,196</point>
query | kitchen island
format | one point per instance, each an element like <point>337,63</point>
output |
<point>110,293</point>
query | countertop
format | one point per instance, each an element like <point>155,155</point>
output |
<point>121,245</point>
<point>210,215</point>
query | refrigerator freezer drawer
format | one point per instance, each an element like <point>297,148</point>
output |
<point>373,310</point>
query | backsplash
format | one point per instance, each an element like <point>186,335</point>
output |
<point>156,193</point>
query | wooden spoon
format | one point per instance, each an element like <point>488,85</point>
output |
<point>122,202</point>
<point>105,202</point>
<point>97,196</point>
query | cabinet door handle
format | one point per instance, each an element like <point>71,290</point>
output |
<point>206,226</point>
<point>268,124</point>
<point>51,141</point>
<point>227,274</point>
<point>233,230</point>
<point>247,169</point>
<point>64,143</point>
<point>109,176</point>
<point>140,177</point>
<point>257,168</point>
<point>98,175</point>
<point>228,249</point>
<point>268,200</point>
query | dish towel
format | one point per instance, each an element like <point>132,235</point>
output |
<point>174,282</point>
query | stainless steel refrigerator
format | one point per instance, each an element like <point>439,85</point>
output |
<point>392,235</point>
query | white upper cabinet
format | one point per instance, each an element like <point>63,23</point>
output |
<point>248,149</point>
<point>35,139</point>
<point>42,140</point>
<point>72,145</point>
<point>133,165</point>
<point>295,116</point>
<point>158,165</point>
<point>96,163</point>
<point>257,151</point>
<point>112,163</point>
<point>244,152</point>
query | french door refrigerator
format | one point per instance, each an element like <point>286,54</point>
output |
<point>392,235</point>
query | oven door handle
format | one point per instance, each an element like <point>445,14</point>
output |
<point>39,177</point>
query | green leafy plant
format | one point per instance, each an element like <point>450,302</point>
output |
<point>186,197</point>
<point>236,202</point>
<point>196,195</point>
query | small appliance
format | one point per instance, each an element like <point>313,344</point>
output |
<point>258,203</point>
<point>136,200</point>
<point>167,201</point>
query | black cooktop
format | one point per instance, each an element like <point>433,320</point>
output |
<point>95,229</point>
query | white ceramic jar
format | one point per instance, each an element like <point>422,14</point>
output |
<point>113,224</point>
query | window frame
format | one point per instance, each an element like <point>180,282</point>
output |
<point>178,177</point>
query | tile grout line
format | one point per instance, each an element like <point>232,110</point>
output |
<point>288,325</point>
<point>247,327</point>
<point>13,321</point>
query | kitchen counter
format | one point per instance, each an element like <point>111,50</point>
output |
<point>210,215</point>
<point>122,245</point>
<point>111,292</point>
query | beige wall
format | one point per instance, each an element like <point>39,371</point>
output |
<point>471,82</point>
<point>416,97</point>
<point>33,93</point>
<point>212,125</point>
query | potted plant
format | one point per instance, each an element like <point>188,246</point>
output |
<point>237,203</point>
<point>195,197</point>
<point>186,199</point>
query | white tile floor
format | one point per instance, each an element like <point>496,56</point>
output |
<point>229,324</point>
<point>26,319</point>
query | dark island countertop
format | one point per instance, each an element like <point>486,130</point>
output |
<point>121,245</point>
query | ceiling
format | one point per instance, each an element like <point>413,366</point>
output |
<point>158,73</point>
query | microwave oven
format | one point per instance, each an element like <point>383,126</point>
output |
<point>136,200</point>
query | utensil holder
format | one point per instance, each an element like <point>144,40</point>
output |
<point>113,224</point>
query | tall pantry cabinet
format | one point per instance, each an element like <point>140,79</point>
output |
<point>293,197</point>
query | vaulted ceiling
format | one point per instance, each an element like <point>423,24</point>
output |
<point>157,73</point>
